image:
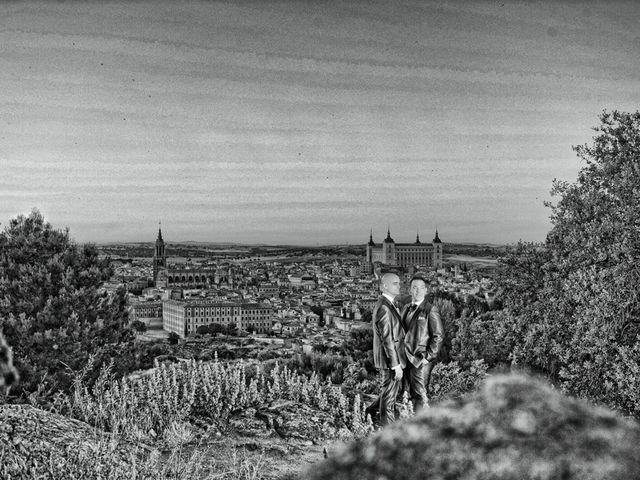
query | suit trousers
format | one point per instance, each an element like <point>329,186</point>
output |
<point>416,381</point>
<point>390,388</point>
<point>427,367</point>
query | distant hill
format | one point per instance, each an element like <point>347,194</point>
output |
<point>224,250</point>
<point>475,249</point>
<point>231,250</point>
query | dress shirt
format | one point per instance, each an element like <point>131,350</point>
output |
<point>390,298</point>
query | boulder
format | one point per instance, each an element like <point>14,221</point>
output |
<point>293,420</point>
<point>287,419</point>
<point>513,428</point>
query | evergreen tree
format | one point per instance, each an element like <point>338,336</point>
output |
<point>52,309</point>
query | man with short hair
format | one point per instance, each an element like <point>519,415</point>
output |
<point>388,345</point>
<point>422,341</point>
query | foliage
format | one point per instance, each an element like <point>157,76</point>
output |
<point>8,373</point>
<point>449,322</point>
<point>485,336</point>
<point>150,406</point>
<point>52,310</point>
<point>572,303</point>
<point>451,381</point>
<point>202,330</point>
<point>99,460</point>
<point>139,326</point>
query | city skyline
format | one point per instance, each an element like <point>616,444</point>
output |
<point>304,123</point>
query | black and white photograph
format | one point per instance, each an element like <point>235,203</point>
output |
<point>319,239</point>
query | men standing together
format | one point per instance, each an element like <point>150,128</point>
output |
<point>405,343</point>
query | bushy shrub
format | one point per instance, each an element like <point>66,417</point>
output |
<point>484,337</point>
<point>572,303</point>
<point>450,380</point>
<point>101,459</point>
<point>171,394</point>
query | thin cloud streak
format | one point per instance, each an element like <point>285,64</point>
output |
<point>297,122</point>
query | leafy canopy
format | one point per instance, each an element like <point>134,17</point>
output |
<point>53,310</point>
<point>573,301</point>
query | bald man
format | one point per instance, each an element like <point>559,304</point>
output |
<point>388,345</point>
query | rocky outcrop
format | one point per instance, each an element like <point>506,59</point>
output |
<point>514,428</point>
<point>287,420</point>
<point>36,444</point>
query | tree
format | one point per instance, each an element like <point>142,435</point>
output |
<point>139,326</point>
<point>448,317</point>
<point>216,328</point>
<point>52,310</point>
<point>202,330</point>
<point>481,337</point>
<point>8,374</point>
<point>573,302</point>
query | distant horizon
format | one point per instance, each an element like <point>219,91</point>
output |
<point>154,233</point>
<point>305,123</point>
<point>242,244</point>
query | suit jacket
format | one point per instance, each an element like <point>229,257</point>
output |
<point>424,333</point>
<point>388,336</point>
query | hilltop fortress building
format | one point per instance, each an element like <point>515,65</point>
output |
<point>405,255</point>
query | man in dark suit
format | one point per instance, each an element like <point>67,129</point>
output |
<point>388,346</point>
<point>422,341</point>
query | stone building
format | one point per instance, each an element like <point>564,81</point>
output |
<point>185,316</point>
<point>185,277</point>
<point>405,255</point>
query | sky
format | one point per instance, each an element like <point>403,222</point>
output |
<point>308,122</point>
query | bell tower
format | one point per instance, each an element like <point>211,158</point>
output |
<point>159,255</point>
<point>369,255</point>
<point>437,251</point>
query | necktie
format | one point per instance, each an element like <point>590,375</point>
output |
<point>412,307</point>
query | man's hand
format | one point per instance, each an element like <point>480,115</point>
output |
<point>398,371</point>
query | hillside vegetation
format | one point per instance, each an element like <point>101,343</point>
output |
<point>568,308</point>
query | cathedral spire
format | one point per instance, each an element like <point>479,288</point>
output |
<point>371,238</point>
<point>417,236</point>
